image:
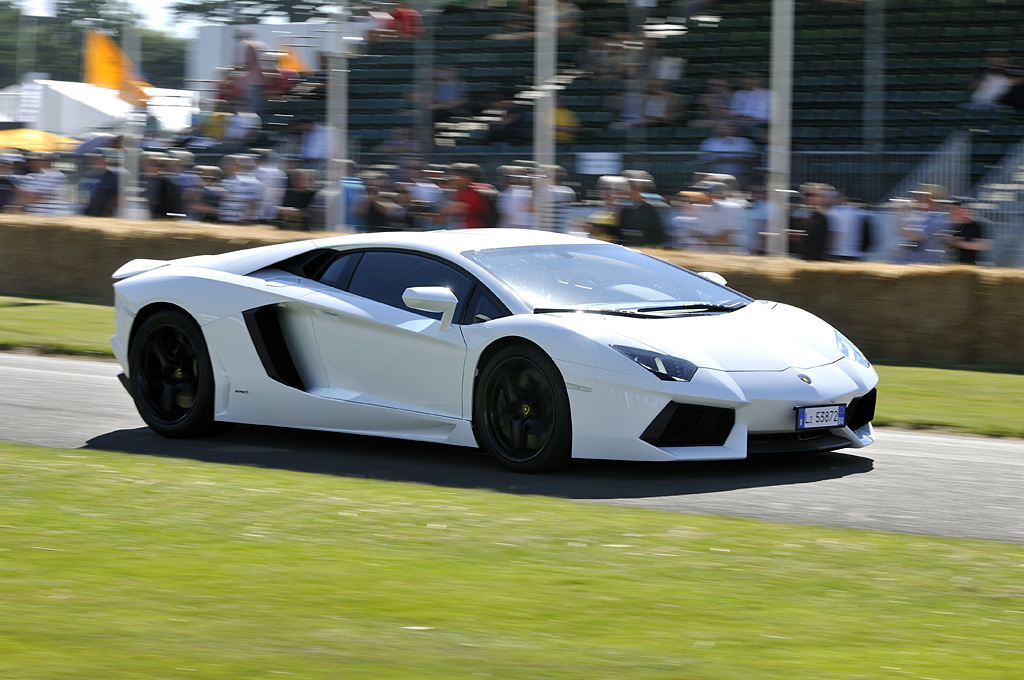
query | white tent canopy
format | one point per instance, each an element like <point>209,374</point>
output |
<point>74,109</point>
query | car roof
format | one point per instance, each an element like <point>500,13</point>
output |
<point>451,243</point>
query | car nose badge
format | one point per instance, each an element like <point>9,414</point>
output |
<point>805,378</point>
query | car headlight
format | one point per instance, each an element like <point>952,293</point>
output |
<point>850,350</point>
<point>662,365</point>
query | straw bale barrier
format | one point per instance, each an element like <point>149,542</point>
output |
<point>931,315</point>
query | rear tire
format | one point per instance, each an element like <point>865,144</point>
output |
<point>521,411</point>
<point>171,376</point>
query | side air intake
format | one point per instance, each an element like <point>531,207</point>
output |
<point>264,326</point>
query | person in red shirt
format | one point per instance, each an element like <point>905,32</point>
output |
<point>406,22</point>
<point>469,207</point>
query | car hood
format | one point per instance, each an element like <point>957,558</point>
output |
<point>763,336</point>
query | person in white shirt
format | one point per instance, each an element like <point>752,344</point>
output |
<point>846,229</point>
<point>753,104</point>
<point>274,182</point>
<point>515,203</point>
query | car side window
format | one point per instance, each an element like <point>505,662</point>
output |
<point>483,307</point>
<point>339,272</point>
<point>384,275</point>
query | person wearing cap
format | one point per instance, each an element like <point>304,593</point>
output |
<point>968,235</point>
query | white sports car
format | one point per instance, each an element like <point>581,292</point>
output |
<point>538,347</point>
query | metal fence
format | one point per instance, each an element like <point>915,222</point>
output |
<point>1000,195</point>
<point>868,176</point>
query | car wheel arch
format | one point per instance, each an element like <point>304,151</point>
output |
<point>148,311</point>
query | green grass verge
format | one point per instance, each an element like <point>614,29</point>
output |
<point>55,327</point>
<point>961,401</point>
<point>124,566</point>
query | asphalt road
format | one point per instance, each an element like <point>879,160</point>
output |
<point>907,482</point>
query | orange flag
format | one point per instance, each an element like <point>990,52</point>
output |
<point>107,66</point>
<point>289,59</point>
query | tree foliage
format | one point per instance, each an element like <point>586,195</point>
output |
<point>249,11</point>
<point>58,42</point>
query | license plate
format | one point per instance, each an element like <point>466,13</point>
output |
<point>810,417</point>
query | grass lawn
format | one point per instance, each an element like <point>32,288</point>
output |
<point>961,401</point>
<point>55,327</point>
<point>124,566</point>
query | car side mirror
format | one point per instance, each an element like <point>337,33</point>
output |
<point>432,299</point>
<point>713,277</point>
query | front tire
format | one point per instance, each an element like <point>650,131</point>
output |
<point>521,411</point>
<point>171,376</point>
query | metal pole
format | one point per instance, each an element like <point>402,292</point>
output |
<point>425,79</point>
<point>779,128</point>
<point>544,65</point>
<point>874,89</point>
<point>128,181</point>
<point>337,117</point>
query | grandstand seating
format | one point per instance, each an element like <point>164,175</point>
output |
<point>933,52</point>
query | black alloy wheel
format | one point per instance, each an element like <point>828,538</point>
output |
<point>521,411</point>
<point>171,376</point>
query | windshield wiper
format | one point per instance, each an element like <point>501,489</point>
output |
<point>701,306</point>
<point>611,312</point>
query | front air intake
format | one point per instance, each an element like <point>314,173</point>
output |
<point>861,410</point>
<point>690,425</point>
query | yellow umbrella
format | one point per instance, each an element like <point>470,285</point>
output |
<point>27,139</point>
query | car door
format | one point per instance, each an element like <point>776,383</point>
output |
<point>376,350</point>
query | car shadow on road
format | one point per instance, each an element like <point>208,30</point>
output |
<point>441,465</point>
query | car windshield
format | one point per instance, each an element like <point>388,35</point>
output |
<point>598,276</point>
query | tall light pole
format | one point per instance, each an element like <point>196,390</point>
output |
<point>779,141</point>
<point>337,115</point>
<point>544,65</point>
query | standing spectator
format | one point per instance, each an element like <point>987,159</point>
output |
<point>717,224</point>
<point>104,193</point>
<point>809,235</point>
<point>922,231</point>
<point>242,192</point>
<point>256,64</point>
<point>470,207</point>
<point>353,191</point>
<point>95,165</point>
<point>41,188</point>
<point>165,199</point>
<point>604,223</point>
<point>207,207</point>
<point>7,180</point>
<point>561,196</point>
<point>274,183</point>
<point>515,203</point>
<point>969,234</point>
<point>640,220</point>
<point>294,208</point>
<point>849,230</point>
<point>726,153</point>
